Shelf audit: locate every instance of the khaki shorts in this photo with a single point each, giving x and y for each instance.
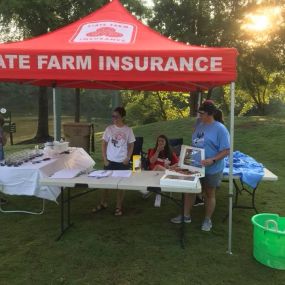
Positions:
(212, 180)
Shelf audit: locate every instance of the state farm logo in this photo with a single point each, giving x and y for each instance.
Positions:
(105, 32)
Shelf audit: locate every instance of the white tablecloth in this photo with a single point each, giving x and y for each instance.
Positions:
(24, 180)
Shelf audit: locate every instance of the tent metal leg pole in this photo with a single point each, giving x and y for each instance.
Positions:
(182, 233)
(56, 114)
(232, 112)
(199, 99)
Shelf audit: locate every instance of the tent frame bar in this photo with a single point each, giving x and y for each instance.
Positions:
(232, 113)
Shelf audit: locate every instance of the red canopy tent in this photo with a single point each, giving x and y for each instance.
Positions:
(111, 49)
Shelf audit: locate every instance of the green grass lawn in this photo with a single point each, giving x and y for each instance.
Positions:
(142, 247)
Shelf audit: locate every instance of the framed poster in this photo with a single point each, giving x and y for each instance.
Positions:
(190, 158)
(177, 180)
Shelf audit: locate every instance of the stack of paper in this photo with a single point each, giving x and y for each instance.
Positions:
(121, 173)
(100, 173)
(112, 173)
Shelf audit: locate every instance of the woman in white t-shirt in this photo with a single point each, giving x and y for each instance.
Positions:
(117, 148)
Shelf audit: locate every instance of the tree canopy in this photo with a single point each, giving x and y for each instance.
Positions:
(255, 28)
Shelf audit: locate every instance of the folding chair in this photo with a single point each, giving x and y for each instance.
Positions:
(138, 144)
(138, 150)
(176, 144)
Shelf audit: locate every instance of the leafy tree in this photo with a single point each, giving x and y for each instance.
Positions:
(261, 77)
(148, 107)
(198, 22)
(219, 23)
(11, 97)
(261, 61)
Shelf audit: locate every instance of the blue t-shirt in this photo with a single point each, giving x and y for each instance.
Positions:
(214, 138)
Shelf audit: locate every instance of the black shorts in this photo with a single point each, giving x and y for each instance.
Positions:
(116, 166)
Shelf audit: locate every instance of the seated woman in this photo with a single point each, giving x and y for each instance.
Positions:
(161, 157)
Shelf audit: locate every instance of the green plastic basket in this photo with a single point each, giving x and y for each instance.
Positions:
(269, 240)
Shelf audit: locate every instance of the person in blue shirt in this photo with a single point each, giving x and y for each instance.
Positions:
(214, 138)
(218, 116)
(2, 138)
(2, 143)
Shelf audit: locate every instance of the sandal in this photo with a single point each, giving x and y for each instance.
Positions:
(99, 208)
(118, 212)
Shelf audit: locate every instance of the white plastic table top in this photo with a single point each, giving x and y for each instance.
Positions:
(141, 180)
(90, 182)
(268, 176)
(138, 181)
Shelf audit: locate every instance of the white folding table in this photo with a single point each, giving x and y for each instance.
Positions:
(268, 176)
(142, 181)
(24, 179)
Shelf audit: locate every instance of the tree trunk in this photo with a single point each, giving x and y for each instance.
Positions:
(225, 107)
(261, 109)
(77, 106)
(43, 130)
(209, 94)
(193, 103)
(161, 106)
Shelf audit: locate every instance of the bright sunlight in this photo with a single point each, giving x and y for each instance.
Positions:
(261, 24)
(257, 23)
(263, 20)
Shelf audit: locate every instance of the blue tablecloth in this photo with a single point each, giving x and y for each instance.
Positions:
(249, 170)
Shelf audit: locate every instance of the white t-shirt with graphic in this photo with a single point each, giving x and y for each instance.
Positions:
(117, 142)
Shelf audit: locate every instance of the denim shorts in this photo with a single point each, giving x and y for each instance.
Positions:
(116, 166)
(212, 180)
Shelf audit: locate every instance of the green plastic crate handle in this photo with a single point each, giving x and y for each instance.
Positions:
(272, 222)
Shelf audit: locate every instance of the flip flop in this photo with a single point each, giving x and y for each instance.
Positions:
(99, 208)
(118, 212)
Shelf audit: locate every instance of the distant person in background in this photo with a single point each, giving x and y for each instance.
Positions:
(3, 141)
(162, 157)
(214, 138)
(117, 148)
(2, 138)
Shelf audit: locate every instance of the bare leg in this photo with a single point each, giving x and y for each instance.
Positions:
(188, 203)
(103, 202)
(120, 198)
(210, 201)
(104, 197)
